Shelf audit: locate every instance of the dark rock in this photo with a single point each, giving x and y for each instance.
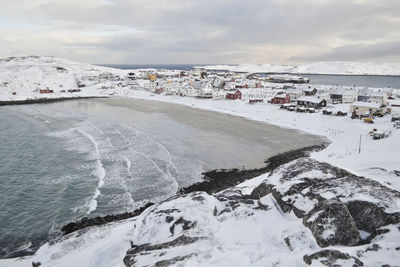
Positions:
(87, 222)
(262, 190)
(218, 180)
(330, 258)
(283, 158)
(374, 247)
(331, 224)
(370, 216)
(129, 259)
(169, 219)
(261, 206)
(186, 225)
(36, 264)
(172, 261)
(44, 100)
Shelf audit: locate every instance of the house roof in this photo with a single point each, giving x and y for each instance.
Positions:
(349, 93)
(200, 85)
(310, 99)
(378, 94)
(366, 104)
(293, 91)
(364, 92)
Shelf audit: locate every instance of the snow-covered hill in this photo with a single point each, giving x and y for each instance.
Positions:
(24, 77)
(334, 67)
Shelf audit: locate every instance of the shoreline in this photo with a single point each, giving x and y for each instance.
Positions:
(212, 182)
(45, 100)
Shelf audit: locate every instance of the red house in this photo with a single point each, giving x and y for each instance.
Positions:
(236, 95)
(159, 90)
(46, 91)
(281, 99)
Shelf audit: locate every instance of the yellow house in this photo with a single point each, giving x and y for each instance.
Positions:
(151, 77)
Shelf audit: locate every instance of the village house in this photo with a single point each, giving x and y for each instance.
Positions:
(336, 96)
(106, 76)
(234, 96)
(130, 78)
(360, 108)
(151, 77)
(189, 90)
(364, 94)
(159, 90)
(311, 102)
(46, 91)
(241, 85)
(294, 94)
(218, 94)
(349, 96)
(322, 95)
(204, 88)
(309, 91)
(378, 97)
(281, 99)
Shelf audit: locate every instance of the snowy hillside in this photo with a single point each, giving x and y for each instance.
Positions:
(339, 67)
(24, 77)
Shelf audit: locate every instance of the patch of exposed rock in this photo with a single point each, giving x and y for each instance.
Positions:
(332, 258)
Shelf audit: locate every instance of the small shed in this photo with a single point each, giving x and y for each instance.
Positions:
(159, 90)
(46, 91)
(234, 96)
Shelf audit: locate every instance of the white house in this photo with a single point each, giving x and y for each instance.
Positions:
(378, 97)
(349, 96)
(218, 94)
(294, 94)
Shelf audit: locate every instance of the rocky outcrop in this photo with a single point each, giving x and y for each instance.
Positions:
(301, 207)
(332, 202)
(332, 224)
(332, 258)
(87, 222)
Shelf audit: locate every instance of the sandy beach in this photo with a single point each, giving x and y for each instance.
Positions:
(232, 141)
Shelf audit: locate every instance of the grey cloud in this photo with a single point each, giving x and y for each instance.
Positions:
(359, 52)
(224, 30)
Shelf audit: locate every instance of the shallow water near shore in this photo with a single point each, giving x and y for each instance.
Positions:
(62, 161)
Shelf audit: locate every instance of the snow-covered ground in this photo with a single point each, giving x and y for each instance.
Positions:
(107, 245)
(335, 67)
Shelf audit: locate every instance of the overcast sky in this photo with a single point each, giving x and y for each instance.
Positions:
(202, 31)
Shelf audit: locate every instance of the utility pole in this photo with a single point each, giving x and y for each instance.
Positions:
(359, 146)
